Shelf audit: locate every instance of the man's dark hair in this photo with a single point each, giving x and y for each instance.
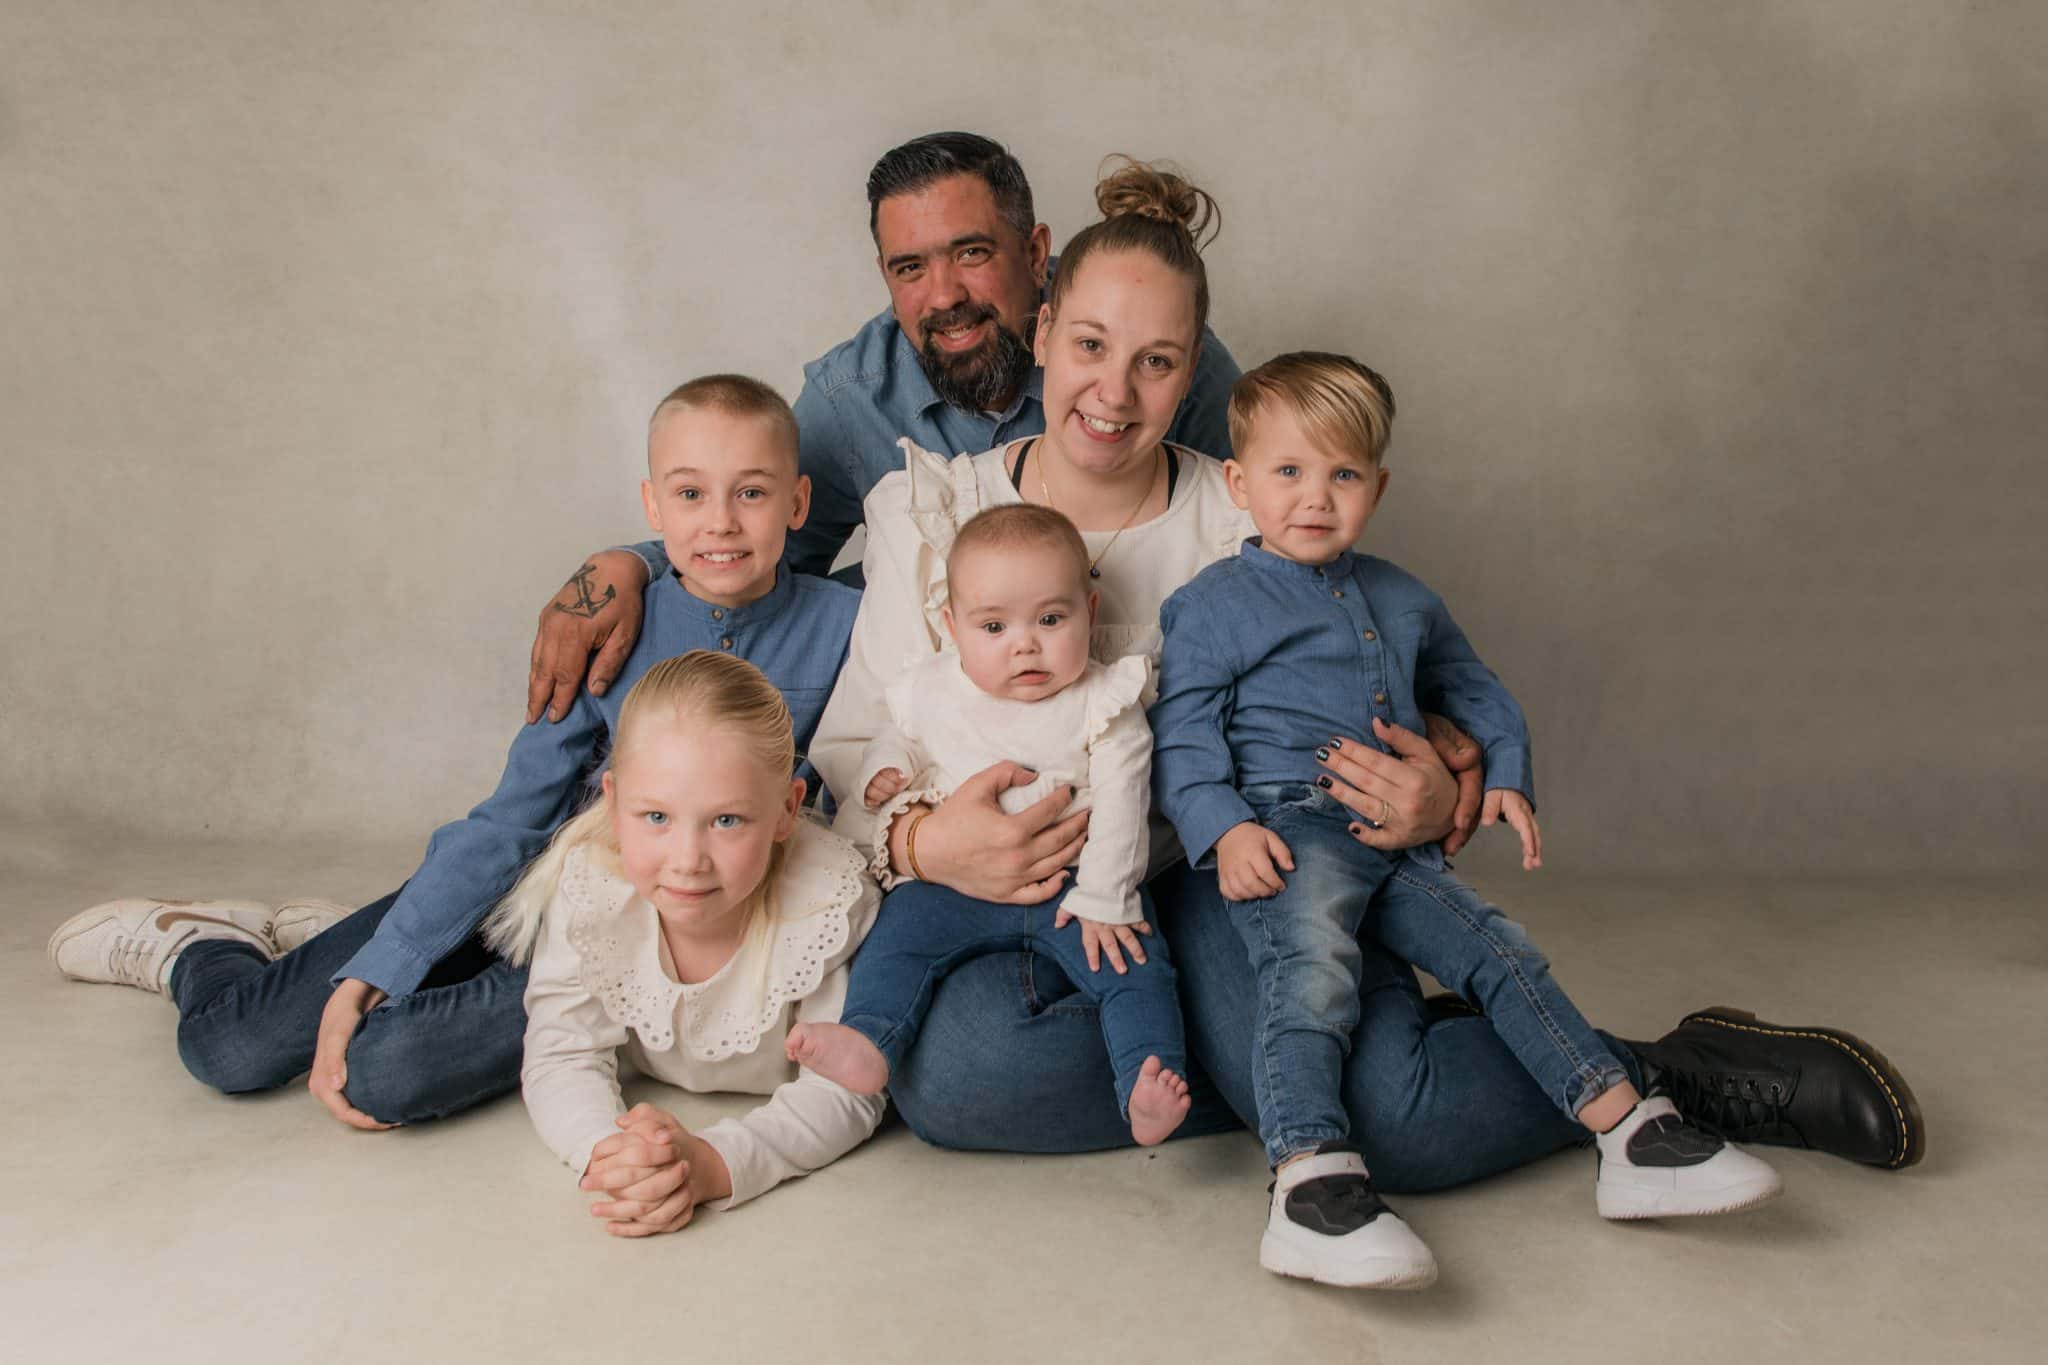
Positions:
(925, 160)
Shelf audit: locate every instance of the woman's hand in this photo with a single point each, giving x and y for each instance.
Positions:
(645, 1169)
(350, 1001)
(1404, 798)
(971, 846)
(599, 610)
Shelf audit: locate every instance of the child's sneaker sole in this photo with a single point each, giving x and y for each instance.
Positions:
(1386, 1272)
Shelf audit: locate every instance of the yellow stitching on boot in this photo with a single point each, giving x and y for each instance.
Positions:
(1898, 1112)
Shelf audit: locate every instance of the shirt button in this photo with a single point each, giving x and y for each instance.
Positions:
(1370, 636)
(726, 642)
(1336, 592)
(1380, 697)
(718, 613)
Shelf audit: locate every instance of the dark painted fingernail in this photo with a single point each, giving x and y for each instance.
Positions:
(1322, 753)
(1323, 782)
(1336, 744)
(1355, 829)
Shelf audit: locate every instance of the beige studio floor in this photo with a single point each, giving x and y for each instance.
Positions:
(147, 1218)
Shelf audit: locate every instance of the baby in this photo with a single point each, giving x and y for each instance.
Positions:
(1269, 659)
(1021, 687)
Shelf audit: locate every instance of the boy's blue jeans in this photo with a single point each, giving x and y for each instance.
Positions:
(245, 1024)
(924, 931)
(1304, 946)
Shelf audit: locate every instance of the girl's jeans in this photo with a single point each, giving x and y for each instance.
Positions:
(244, 1024)
(1011, 1059)
(926, 931)
(1305, 951)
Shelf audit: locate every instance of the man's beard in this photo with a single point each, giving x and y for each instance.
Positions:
(986, 378)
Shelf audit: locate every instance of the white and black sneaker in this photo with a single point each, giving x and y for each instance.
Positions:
(1653, 1164)
(1327, 1224)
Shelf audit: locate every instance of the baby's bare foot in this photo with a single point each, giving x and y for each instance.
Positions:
(841, 1054)
(1159, 1101)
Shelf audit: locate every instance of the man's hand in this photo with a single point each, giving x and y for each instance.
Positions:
(1249, 861)
(1099, 940)
(883, 785)
(971, 846)
(351, 1000)
(1513, 807)
(599, 610)
(1404, 798)
(1462, 757)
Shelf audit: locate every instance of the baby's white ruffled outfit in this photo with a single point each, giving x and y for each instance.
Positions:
(1092, 734)
(598, 987)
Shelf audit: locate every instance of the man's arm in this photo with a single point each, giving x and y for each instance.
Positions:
(1203, 422)
(825, 454)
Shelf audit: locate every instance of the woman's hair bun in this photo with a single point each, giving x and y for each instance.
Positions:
(1129, 186)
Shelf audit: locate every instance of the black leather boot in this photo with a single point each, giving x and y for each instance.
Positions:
(1740, 1078)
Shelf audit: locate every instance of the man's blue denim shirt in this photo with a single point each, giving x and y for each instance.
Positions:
(1265, 660)
(797, 635)
(864, 393)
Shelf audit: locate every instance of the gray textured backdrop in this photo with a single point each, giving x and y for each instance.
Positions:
(1719, 334)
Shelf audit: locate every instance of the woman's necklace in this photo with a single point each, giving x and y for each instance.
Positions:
(1143, 498)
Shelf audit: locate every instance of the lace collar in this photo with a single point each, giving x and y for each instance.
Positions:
(807, 923)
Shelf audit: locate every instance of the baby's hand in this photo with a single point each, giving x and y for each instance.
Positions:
(1249, 860)
(1099, 940)
(1513, 807)
(882, 786)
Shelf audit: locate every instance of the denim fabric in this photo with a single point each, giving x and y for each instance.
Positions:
(244, 1024)
(864, 393)
(1265, 659)
(796, 634)
(924, 931)
(1303, 945)
(1010, 1059)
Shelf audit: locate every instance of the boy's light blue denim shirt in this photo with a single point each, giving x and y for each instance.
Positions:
(1266, 659)
(864, 393)
(796, 634)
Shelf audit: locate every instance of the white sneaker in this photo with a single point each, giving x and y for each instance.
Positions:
(296, 921)
(133, 942)
(1328, 1225)
(1653, 1164)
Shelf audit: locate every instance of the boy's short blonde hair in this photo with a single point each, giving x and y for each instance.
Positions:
(1015, 524)
(737, 395)
(1341, 404)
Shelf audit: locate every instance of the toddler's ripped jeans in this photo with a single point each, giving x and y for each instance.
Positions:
(1303, 945)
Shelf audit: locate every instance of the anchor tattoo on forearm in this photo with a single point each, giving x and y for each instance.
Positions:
(585, 605)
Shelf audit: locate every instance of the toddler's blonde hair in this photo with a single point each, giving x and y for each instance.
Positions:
(1342, 404)
(703, 687)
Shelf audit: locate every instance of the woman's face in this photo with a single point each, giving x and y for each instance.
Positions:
(1118, 358)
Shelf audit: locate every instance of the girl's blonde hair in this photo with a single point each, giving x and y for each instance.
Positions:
(703, 686)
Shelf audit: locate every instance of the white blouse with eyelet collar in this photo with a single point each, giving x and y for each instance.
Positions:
(598, 988)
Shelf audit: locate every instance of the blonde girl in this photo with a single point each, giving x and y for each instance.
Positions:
(687, 919)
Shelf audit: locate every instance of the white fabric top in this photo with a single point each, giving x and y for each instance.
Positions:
(912, 516)
(940, 730)
(598, 985)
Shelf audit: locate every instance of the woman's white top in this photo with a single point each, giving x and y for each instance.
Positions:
(598, 987)
(940, 729)
(912, 516)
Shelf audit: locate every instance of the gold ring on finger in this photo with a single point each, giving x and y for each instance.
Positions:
(1386, 810)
